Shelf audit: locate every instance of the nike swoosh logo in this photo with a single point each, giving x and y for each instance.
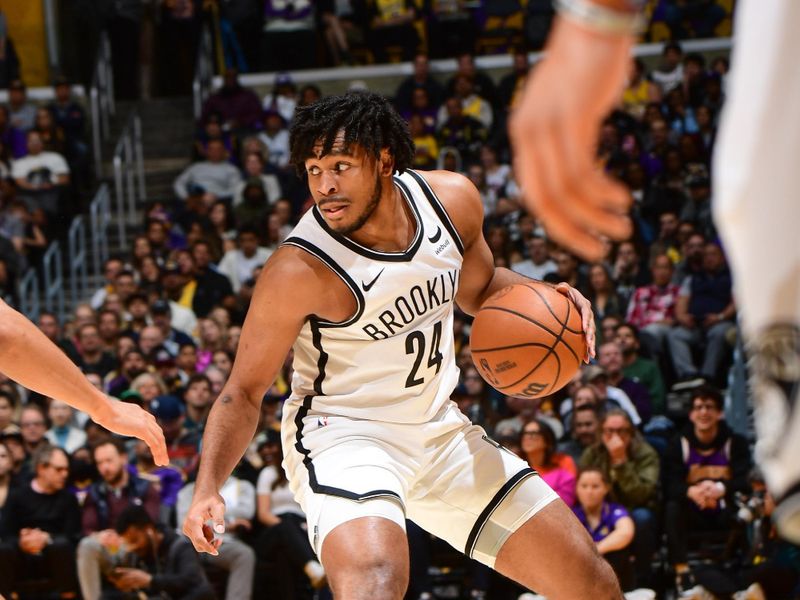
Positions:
(436, 236)
(368, 286)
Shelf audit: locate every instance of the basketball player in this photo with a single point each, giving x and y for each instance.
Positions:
(28, 357)
(756, 207)
(364, 288)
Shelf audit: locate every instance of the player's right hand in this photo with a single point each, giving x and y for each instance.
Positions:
(205, 509)
(554, 131)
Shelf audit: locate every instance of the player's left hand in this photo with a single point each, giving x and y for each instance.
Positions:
(131, 420)
(587, 316)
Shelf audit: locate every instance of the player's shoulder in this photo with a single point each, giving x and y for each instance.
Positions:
(460, 198)
(293, 265)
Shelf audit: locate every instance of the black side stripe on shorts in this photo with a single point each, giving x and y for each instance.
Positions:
(438, 208)
(490, 508)
(316, 487)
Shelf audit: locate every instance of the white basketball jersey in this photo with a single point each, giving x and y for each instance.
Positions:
(393, 360)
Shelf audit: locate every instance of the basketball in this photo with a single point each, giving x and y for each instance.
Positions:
(527, 340)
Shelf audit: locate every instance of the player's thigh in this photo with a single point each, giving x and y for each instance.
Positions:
(553, 554)
(476, 494)
(341, 471)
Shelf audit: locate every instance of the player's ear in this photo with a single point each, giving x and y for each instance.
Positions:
(386, 163)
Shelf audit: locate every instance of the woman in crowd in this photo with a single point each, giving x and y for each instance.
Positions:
(633, 467)
(538, 445)
(602, 293)
(149, 386)
(8, 407)
(608, 523)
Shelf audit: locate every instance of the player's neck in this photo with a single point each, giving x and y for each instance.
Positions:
(391, 226)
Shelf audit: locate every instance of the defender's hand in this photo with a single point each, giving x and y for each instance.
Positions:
(587, 316)
(131, 420)
(554, 132)
(204, 508)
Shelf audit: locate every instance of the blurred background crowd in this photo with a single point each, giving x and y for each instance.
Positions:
(638, 443)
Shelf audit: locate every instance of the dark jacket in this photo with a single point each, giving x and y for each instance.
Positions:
(176, 569)
(734, 446)
(57, 514)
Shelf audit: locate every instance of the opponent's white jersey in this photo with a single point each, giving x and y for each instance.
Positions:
(393, 360)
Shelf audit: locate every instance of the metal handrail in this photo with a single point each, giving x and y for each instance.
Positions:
(128, 165)
(78, 264)
(53, 280)
(203, 81)
(101, 100)
(99, 221)
(29, 304)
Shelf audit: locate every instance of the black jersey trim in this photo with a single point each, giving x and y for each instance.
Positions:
(333, 266)
(302, 412)
(403, 256)
(501, 494)
(438, 207)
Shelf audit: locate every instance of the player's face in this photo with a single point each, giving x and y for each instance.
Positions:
(345, 185)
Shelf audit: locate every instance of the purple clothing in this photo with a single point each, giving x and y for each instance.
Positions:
(610, 513)
(237, 104)
(170, 483)
(640, 397)
(14, 141)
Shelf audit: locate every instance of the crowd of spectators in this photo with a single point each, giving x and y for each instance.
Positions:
(44, 169)
(637, 443)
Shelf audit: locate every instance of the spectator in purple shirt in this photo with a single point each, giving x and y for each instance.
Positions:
(609, 524)
(609, 356)
(239, 106)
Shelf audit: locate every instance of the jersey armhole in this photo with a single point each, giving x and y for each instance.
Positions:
(438, 208)
(326, 260)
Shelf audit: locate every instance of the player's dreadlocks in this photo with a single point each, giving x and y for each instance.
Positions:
(367, 118)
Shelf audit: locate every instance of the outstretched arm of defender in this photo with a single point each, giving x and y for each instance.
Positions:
(29, 358)
(284, 297)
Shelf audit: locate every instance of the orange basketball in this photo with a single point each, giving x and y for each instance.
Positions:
(527, 340)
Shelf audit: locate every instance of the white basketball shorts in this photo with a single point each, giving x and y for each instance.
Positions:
(446, 475)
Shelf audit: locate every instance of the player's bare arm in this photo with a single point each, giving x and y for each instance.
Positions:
(554, 130)
(479, 277)
(293, 286)
(28, 357)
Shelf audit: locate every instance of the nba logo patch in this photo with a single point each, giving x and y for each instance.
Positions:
(322, 421)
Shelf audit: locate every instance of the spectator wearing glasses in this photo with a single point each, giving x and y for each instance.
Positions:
(631, 467)
(33, 426)
(40, 527)
(538, 445)
(704, 466)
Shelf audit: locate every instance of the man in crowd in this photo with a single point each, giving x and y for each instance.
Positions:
(652, 307)
(209, 180)
(538, 264)
(609, 356)
(585, 431)
(33, 426)
(166, 562)
(62, 433)
(238, 264)
(40, 527)
(198, 400)
(212, 288)
(92, 356)
(40, 175)
(640, 369)
(704, 467)
(106, 500)
(705, 311)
